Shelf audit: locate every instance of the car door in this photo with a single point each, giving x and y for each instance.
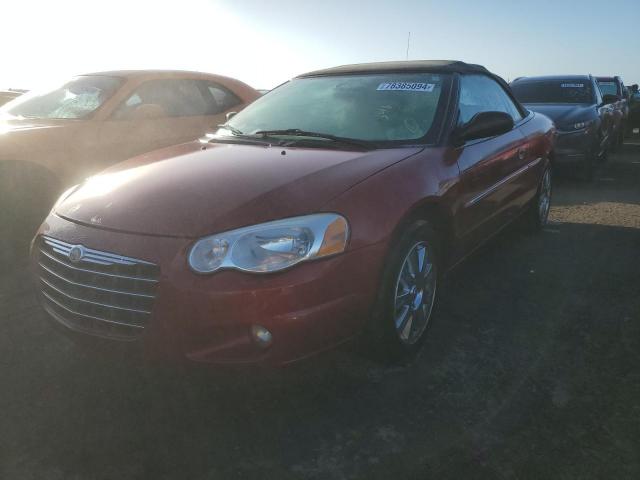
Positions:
(157, 114)
(492, 169)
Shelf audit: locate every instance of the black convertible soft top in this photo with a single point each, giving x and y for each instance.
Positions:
(413, 66)
(436, 66)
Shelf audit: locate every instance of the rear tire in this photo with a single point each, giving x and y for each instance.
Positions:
(406, 297)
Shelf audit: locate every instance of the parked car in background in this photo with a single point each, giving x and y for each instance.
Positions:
(634, 109)
(56, 138)
(615, 93)
(329, 207)
(8, 95)
(575, 104)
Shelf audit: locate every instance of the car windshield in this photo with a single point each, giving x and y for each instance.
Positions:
(378, 108)
(608, 88)
(75, 99)
(553, 91)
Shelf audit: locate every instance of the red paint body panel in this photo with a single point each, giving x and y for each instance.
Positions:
(206, 319)
(189, 192)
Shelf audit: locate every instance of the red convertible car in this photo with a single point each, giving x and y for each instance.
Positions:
(330, 207)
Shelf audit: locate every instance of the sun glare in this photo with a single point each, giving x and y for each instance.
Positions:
(81, 38)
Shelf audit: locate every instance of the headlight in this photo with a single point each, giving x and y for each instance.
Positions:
(272, 246)
(580, 125)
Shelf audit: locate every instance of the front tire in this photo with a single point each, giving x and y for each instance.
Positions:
(623, 129)
(407, 295)
(26, 195)
(613, 145)
(589, 165)
(537, 216)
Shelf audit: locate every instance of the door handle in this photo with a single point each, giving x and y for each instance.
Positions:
(522, 153)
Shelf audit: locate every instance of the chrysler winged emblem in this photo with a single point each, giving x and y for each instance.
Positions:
(76, 253)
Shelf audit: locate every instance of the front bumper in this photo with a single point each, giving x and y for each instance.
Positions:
(207, 318)
(575, 147)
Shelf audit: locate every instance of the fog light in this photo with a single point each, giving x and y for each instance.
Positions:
(261, 335)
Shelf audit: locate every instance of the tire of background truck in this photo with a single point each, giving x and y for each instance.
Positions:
(613, 146)
(621, 136)
(27, 194)
(537, 214)
(588, 166)
(406, 297)
(604, 158)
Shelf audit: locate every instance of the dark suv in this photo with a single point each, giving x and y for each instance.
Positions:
(616, 94)
(634, 109)
(583, 120)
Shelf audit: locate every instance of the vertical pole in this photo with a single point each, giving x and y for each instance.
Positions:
(408, 42)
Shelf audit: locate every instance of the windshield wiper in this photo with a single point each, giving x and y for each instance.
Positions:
(233, 130)
(296, 132)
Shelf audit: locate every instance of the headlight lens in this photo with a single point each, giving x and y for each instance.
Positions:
(580, 125)
(272, 246)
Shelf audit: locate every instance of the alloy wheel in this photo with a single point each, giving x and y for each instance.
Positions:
(415, 293)
(544, 200)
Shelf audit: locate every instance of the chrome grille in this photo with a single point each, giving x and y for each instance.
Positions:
(98, 292)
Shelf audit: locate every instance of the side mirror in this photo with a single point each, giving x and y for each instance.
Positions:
(485, 125)
(230, 115)
(609, 99)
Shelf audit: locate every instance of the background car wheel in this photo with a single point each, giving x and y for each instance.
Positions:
(621, 135)
(407, 296)
(613, 146)
(537, 215)
(26, 196)
(589, 165)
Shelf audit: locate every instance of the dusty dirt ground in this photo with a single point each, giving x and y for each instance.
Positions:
(531, 370)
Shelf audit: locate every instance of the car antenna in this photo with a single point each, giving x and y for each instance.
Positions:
(408, 43)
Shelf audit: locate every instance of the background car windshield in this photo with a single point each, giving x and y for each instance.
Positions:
(556, 91)
(389, 107)
(76, 99)
(608, 88)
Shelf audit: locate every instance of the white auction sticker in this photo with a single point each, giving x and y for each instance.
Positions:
(407, 86)
(572, 85)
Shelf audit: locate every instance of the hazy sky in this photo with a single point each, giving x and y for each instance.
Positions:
(266, 42)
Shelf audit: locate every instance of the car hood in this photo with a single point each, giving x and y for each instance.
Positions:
(191, 190)
(20, 139)
(564, 114)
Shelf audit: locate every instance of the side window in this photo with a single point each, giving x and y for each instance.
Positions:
(166, 98)
(222, 99)
(479, 93)
(598, 92)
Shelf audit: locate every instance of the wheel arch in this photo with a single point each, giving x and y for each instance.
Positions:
(430, 210)
(27, 183)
